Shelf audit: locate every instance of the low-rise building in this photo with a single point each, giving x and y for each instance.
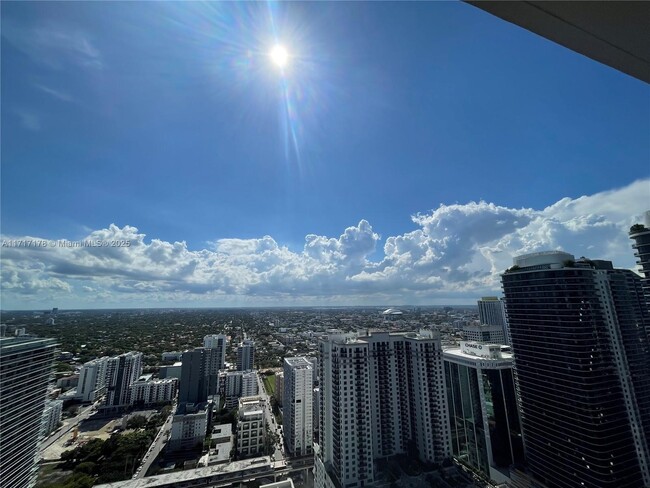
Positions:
(51, 416)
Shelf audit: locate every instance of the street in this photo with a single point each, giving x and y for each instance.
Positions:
(278, 455)
(156, 446)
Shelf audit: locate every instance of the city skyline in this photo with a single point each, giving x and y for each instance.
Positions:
(401, 154)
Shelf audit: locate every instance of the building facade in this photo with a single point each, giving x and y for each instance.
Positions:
(237, 384)
(582, 366)
(251, 426)
(153, 391)
(92, 380)
(217, 344)
(25, 369)
(492, 334)
(52, 415)
(640, 234)
(246, 355)
(484, 416)
(121, 372)
(297, 414)
(194, 382)
(381, 395)
(189, 427)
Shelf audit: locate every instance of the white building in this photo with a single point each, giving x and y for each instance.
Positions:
(217, 344)
(251, 426)
(380, 394)
(153, 391)
(484, 333)
(246, 355)
(121, 372)
(51, 416)
(297, 414)
(189, 427)
(237, 384)
(92, 380)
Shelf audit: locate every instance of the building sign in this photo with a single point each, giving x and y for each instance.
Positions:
(491, 351)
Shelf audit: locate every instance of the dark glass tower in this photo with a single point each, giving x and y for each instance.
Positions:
(483, 413)
(25, 369)
(582, 366)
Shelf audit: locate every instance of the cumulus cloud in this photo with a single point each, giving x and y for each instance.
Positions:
(455, 252)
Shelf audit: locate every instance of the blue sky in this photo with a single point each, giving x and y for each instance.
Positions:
(168, 124)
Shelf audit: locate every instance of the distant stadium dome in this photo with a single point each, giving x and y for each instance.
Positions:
(392, 311)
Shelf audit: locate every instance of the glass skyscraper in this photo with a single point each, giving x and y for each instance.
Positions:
(485, 426)
(25, 369)
(582, 365)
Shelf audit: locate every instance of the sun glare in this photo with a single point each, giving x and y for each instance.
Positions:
(279, 56)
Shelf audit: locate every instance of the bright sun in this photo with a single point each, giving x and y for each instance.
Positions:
(279, 56)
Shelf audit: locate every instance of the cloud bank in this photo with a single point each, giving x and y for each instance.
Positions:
(454, 254)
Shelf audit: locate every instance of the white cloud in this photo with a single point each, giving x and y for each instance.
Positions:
(454, 253)
(58, 94)
(53, 44)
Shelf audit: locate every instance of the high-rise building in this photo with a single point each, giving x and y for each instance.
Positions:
(246, 355)
(237, 384)
(194, 382)
(582, 368)
(25, 369)
(381, 395)
(121, 372)
(640, 234)
(485, 427)
(491, 311)
(297, 423)
(217, 344)
(92, 380)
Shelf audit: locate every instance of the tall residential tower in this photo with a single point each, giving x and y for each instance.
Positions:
(382, 394)
(297, 421)
(582, 363)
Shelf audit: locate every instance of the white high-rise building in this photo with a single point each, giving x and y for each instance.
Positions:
(237, 384)
(121, 372)
(491, 311)
(217, 344)
(92, 380)
(279, 387)
(381, 395)
(246, 355)
(297, 415)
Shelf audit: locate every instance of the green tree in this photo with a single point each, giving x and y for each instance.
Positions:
(136, 422)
